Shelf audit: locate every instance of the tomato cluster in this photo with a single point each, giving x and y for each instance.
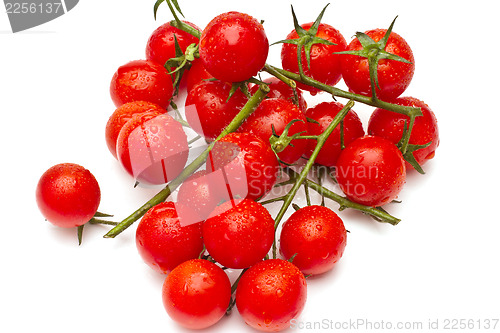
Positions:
(256, 132)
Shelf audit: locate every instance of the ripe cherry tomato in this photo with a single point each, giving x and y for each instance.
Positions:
(141, 80)
(202, 192)
(325, 64)
(278, 113)
(197, 73)
(324, 113)
(161, 44)
(317, 236)
(120, 117)
(393, 76)
(152, 147)
(208, 110)
(239, 233)
(270, 294)
(279, 89)
(390, 125)
(167, 235)
(68, 195)
(196, 294)
(233, 47)
(248, 164)
(371, 171)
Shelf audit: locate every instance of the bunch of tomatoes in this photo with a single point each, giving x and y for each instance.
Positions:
(257, 135)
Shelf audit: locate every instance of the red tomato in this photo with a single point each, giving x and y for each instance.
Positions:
(167, 235)
(161, 44)
(197, 73)
(324, 113)
(196, 294)
(68, 195)
(325, 64)
(239, 233)
(393, 76)
(123, 114)
(202, 192)
(390, 125)
(234, 47)
(247, 162)
(152, 147)
(208, 110)
(371, 171)
(278, 113)
(317, 236)
(270, 294)
(279, 89)
(141, 80)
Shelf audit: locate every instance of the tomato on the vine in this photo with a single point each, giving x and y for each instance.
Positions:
(209, 109)
(68, 195)
(320, 116)
(239, 233)
(196, 294)
(371, 171)
(393, 76)
(324, 63)
(315, 237)
(167, 235)
(390, 125)
(141, 80)
(152, 147)
(247, 162)
(278, 113)
(120, 117)
(161, 44)
(270, 294)
(233, 47)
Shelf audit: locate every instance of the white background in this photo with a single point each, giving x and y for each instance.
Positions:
(440, 262)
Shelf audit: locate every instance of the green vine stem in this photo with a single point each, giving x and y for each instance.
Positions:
(376, 212)
(287, 200)
(161, 196)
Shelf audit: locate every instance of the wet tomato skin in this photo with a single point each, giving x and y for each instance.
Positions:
(270, 294)
(167, 235)
(141, 80)
(196, 294)
(68, 195)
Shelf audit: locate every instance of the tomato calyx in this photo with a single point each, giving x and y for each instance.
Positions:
(307, 38)
(96, 219)
(374, 52)
(410, 148)
(280, 142)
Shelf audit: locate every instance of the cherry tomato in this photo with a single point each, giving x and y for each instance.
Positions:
(323, 114)
(279, 89)
(278, 113)
(247, 162)
(161, 44)
(197, 73)
(167, 235)
(202, 192)
(208, 110)
(393, 76)
(270, 294)
(141, 80)
(371, 171)
(325, 64)
(317, 238)
(233, 47)
(152, 147)
(196, 294)
(68, 195)
(120, 117)
(390, 125)
(239, 233)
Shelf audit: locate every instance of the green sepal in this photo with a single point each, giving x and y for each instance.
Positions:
(79, 232)
(410, 148)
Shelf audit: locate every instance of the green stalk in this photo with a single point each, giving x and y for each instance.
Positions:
(161, 196)
(303, 174)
